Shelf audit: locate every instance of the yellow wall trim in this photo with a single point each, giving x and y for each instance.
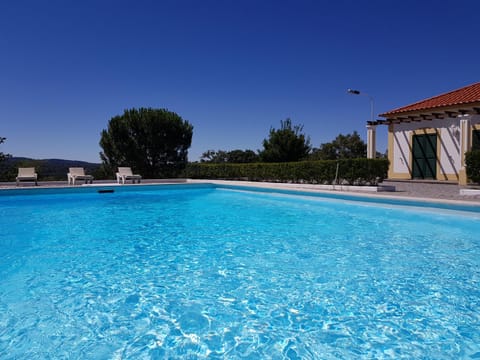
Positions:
(450, 177)
(390, 154)
(399, 176)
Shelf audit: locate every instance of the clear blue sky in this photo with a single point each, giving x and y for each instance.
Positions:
(231, 68)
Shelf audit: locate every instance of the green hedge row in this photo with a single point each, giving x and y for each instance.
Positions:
(350, 171)
(472, 162)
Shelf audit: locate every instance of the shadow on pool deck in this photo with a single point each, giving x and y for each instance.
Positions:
(431, 190)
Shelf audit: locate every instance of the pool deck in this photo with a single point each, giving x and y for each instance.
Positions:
(418, 191)
(445, 192)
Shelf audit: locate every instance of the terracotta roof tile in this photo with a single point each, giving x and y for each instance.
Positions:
(466, 95)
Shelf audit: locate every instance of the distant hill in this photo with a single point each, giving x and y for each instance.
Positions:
(47, 169)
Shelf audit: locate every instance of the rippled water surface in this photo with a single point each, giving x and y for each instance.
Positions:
(215, 273)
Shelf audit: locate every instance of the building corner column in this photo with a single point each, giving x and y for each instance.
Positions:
(465, 145)
(390, 152)
(371, 141)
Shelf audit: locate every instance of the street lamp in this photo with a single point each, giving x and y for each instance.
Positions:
(371, 125)
(357, 92)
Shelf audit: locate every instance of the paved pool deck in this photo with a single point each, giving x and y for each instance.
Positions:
(434, 190)
(428, 191)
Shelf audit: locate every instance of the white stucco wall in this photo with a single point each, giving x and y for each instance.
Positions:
(449, 144)
(475, 119)
(450, 156)
(401, 150)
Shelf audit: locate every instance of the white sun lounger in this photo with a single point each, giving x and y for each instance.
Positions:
(26, 174)
(78, 173)
(125, 173)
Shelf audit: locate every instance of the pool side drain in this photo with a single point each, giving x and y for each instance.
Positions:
(105, 191)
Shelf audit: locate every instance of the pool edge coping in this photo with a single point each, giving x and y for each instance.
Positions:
(342, 190)
(338, 190)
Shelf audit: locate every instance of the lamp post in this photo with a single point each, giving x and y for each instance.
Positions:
(371, 126)
(372, 102)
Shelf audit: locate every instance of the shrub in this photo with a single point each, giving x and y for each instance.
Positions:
(351, 171)
(472, 162)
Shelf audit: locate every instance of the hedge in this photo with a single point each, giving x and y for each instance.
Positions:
(350, 171)
(472, 162)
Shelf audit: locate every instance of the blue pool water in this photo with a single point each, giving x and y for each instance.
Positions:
(206, 272)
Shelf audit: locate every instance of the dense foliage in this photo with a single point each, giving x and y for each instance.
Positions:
(154, 142)
(285, 144)
(472, 162)
(234, 156)
(349, 146)
(2, 155)
(350, 171)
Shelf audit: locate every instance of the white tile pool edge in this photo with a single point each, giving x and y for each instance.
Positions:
(372, 192)
(359, 191)
(470, 192)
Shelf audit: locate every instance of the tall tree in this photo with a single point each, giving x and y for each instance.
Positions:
(154, 142)
(7, 172)
(212, 156)
(343, 147)
(234, 156)
(242, 156)
(2, 155)
(285, 144)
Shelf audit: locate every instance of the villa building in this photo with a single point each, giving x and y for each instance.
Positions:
(428, 139)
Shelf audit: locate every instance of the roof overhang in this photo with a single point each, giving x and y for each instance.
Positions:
(428, 114)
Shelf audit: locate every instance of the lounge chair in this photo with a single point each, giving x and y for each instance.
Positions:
(26, 174)
(125, 173)
(78, 173)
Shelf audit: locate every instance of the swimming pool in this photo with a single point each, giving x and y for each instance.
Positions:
(211, 272)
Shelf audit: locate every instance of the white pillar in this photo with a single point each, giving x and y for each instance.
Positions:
(465, 145)
(371, 141)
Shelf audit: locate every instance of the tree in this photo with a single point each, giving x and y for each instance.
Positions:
(348, 146)
(154, 142)
(242, 156)
(2, 155)
(285, 144)
(212, 156)
(6, 170)
(234, 156)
